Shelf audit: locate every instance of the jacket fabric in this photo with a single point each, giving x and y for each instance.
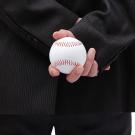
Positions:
(26, 37)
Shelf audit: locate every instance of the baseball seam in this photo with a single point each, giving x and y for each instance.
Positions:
(66, 62)
(68, 44)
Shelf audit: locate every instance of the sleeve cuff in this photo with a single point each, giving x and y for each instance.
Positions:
(91, 38)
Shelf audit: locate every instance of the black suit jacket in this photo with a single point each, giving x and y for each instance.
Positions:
(26, 37)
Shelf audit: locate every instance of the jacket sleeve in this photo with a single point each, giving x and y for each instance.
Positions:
(36, 20)
(109, 30)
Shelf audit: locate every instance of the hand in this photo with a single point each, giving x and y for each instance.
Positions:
(90, 69)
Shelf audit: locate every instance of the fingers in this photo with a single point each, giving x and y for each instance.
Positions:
(89, 61)
(62, 33)
(90, 68)
(53, 71)
(75, 74)
(94, 70)
(107, 68)
(78, 20)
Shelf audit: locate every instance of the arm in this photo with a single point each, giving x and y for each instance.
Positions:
(35, 21)
(109, 30)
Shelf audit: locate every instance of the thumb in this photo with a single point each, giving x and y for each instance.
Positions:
(62, 33)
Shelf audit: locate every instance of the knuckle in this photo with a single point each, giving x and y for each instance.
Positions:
(93, 73)
(90, 60)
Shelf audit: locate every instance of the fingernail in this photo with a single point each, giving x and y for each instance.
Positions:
(71, 81)
(54, 32)
(96, 73)
(90, 53)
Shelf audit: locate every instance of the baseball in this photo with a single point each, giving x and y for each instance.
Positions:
(66, 53)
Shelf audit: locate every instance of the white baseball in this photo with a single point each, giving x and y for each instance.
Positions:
(66, 53)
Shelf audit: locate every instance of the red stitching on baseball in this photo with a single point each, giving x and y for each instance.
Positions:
(68, 44)
(65, 62)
